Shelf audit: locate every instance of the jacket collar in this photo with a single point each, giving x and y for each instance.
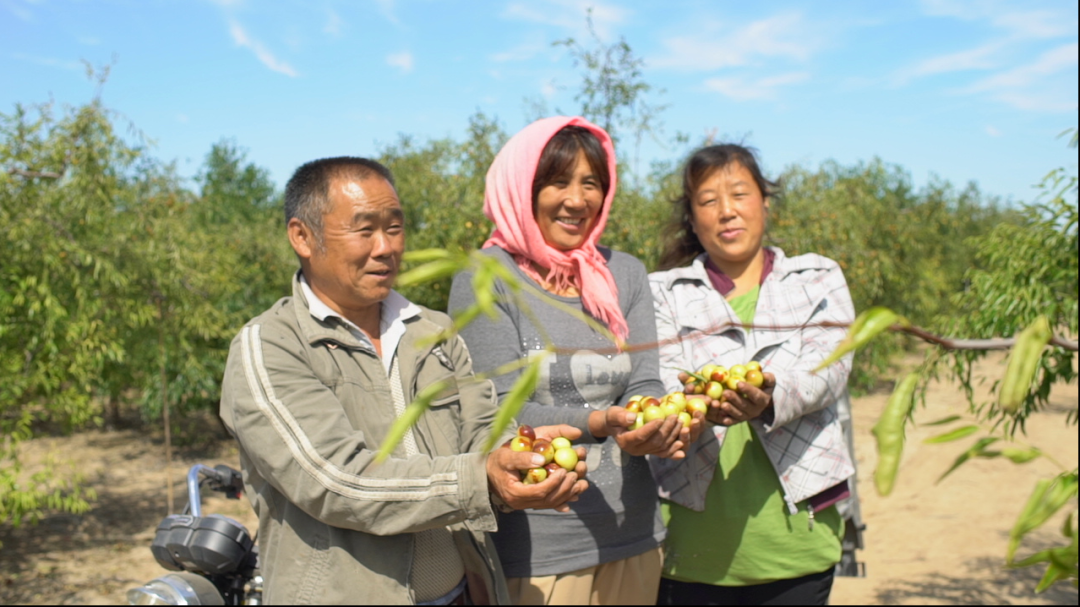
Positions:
(321, 323)
(782, 266)
(704, 308)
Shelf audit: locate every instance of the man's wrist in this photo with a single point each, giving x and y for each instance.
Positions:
(498, 504)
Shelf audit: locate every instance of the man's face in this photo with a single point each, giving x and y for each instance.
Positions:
(363, 240)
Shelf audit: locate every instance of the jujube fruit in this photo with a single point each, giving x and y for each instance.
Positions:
(544, 448)
(560, 442)
(535, 476)
(567, 458)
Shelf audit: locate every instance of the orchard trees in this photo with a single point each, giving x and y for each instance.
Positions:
(117, 281)
(59, 284)
(903, 248)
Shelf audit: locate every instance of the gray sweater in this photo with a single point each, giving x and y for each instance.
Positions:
(618, 515)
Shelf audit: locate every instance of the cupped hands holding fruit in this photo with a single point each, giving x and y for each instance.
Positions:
(539, 469)
(740, 393)
(637, 434)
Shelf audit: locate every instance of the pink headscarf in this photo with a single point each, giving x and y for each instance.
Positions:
(508, 204)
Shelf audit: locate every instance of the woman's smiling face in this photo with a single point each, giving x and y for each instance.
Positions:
(566, 209)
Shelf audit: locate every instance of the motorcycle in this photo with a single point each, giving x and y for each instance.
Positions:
(215, 558)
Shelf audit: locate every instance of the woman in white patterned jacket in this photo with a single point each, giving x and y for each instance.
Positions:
(751, 510)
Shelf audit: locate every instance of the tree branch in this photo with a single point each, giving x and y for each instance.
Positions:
(949, 343)
(32, 174)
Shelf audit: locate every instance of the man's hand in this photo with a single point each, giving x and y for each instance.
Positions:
(504, 468)
(746, 404)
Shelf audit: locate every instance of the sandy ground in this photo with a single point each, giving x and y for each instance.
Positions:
(926, 544)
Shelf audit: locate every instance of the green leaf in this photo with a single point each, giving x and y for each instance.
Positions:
(866, 327)
(429, 272)
(701, 378)
(408, 418)
(425, 255)
(1023, 363)
(945, 420)
(514, 400)
(1054, 573)
(1021, 456)
(1047, 498)
(889, 433)
(1042, 556)
(952, 435)
(483, 284)
(976, 450)
(1025, 522)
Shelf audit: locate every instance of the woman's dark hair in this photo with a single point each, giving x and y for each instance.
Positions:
(560, 154)
(681, 245)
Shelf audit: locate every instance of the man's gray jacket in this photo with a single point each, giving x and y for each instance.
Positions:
(310, 405)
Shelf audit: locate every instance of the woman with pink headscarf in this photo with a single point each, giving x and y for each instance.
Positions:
(549, 193)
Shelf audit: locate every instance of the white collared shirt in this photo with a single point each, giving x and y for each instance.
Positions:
(393, 312)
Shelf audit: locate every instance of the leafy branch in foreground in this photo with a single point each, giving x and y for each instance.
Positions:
(1024, 283)
(1015, 395)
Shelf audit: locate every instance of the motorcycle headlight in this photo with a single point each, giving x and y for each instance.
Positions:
(176, 589)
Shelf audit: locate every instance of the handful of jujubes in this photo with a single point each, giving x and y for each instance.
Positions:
(678, 404)
(558, 453)
(711, 380)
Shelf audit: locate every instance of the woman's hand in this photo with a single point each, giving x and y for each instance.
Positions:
(746, 404)
(662, 437)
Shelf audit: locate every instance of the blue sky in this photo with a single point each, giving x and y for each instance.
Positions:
(966, 90)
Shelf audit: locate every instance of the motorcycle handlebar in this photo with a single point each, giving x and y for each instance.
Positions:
(222, 478)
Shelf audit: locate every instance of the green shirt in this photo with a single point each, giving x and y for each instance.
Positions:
(746, 535)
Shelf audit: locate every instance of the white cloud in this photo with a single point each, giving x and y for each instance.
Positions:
(1034, 86)
(1035, 24)
(19, 11)
(992, 131)
(386, 7)
(1038, 24)
(402, 60)
(979, 58)
(1016, 28)
(568, 14)
(333, 23)
(182, 118)
(786, 35)
(49, 61)
(742, 89)
(242, 39)
(521, 52)
(89, 40)
(1050, 62)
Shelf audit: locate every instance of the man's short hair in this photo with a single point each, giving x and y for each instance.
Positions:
(307, 194)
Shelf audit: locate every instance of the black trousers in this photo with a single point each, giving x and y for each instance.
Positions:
(812, 589)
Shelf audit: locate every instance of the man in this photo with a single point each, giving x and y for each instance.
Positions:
(311, 388)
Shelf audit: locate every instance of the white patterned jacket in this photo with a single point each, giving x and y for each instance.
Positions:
(801, 432)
